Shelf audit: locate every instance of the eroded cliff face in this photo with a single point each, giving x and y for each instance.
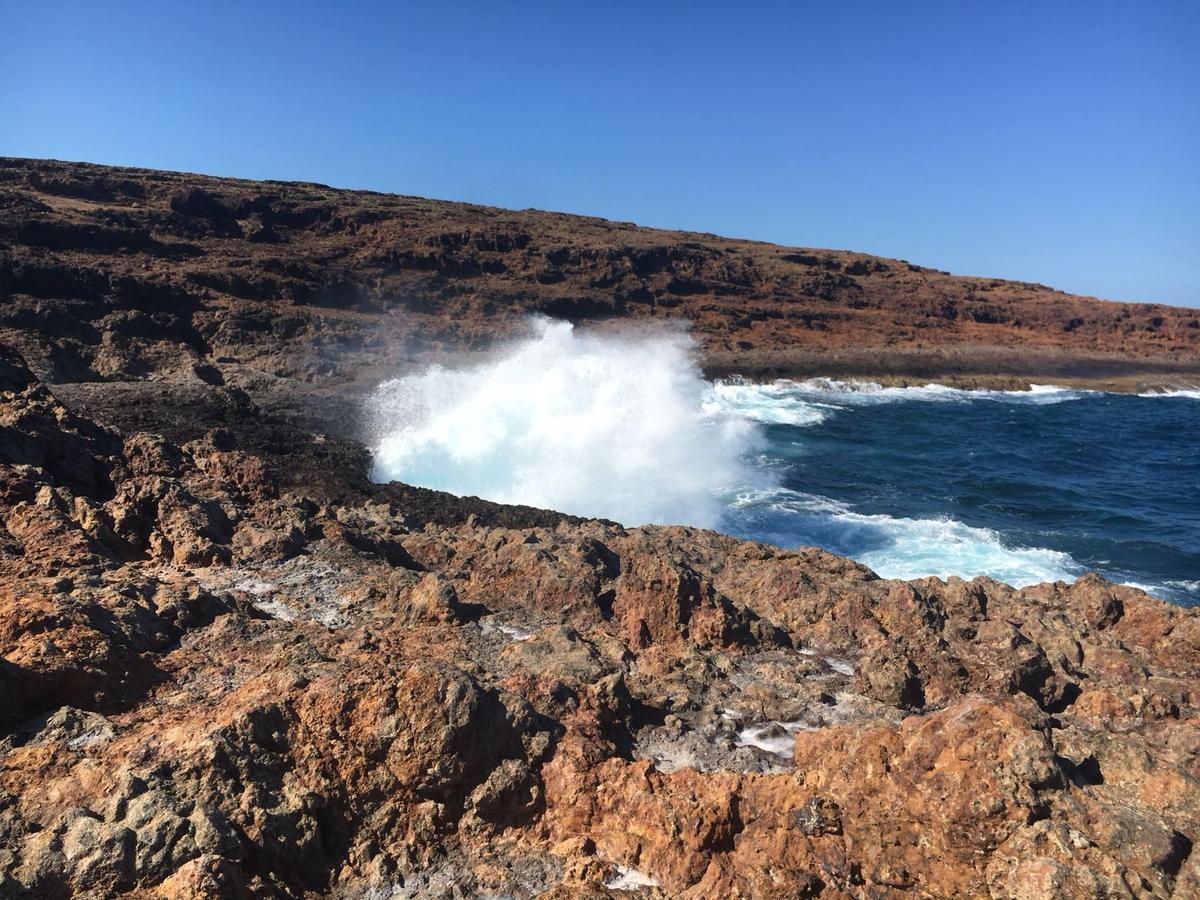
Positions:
(232, 666)
(110, 272)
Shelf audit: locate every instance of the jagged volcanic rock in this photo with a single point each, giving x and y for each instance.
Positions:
(233, 666)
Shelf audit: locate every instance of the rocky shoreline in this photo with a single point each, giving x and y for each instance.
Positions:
(234, 666)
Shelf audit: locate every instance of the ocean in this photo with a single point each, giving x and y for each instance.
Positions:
(1022, 486)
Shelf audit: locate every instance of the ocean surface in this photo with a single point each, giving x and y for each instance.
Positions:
(1022, 486)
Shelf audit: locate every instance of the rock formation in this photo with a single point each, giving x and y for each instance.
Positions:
(113, 272)
(233, 666)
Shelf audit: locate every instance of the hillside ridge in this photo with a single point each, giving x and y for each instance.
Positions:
(301, 281)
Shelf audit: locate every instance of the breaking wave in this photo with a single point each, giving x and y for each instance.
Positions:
(895, 547)
(1181, 394)
(770, 404)
(598, 425)
(625, 427)
(809, 402)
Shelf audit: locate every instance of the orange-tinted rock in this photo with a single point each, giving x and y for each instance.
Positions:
(232, 666)
(216, 281)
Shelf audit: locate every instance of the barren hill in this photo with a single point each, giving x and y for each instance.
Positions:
(111, 272)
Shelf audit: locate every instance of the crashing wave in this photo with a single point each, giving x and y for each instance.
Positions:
(771, 404)
(900, 547)
(625, 427)
(598, 425)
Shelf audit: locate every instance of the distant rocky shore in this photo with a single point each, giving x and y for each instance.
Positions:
(108, 273)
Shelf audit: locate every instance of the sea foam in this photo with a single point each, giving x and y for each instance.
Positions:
(1177, 394)
(897, 547)
(809, 402)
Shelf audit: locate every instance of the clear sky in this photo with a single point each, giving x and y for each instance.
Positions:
(1054, 142)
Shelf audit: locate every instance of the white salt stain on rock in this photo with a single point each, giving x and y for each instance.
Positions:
(276, 610)
(255, 586)
(77, 729)
(330, 618)
(96, 735)
(630, 879)
(837, 664)
(672, 759)
(842, 666)
(778, 738)
(295, 591)
(512, 632)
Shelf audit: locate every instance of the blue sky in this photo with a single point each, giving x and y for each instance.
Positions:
(1053, 142)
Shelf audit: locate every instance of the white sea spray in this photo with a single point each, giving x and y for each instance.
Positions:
(598, 425)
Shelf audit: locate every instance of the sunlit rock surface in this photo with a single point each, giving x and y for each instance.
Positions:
(234, 666)
(231, 665)
(109, 273)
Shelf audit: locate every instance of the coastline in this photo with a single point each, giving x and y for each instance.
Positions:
(113, 272)
(1129, 384)
(217, 627)
(984, 369)
(197, 585)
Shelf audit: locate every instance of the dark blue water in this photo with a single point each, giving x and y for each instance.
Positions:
(1021, 486)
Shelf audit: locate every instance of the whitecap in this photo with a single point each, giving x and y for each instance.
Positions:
(945, 547)
(1184, 584)
(869, 393)
(1179, 590)
(1180, 394)
(896, 547)
(775, 403)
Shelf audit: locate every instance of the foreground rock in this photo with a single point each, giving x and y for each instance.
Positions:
(234, 667)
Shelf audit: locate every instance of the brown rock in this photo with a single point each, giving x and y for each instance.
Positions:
(233, 666)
